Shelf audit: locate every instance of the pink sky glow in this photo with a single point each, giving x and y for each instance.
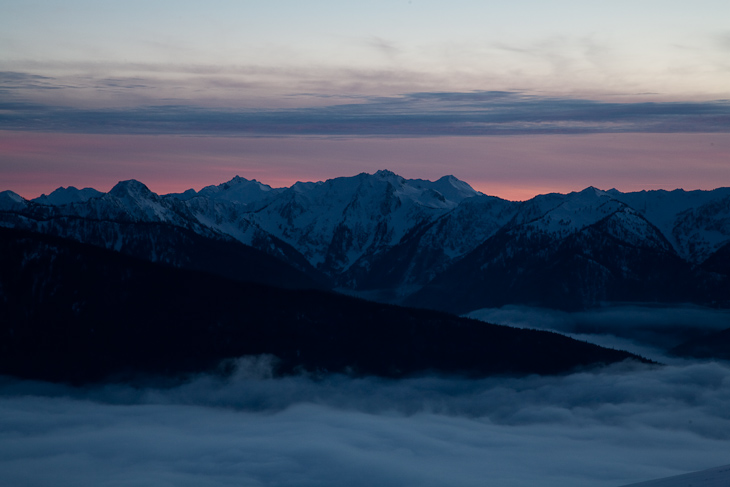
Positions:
(512, 167)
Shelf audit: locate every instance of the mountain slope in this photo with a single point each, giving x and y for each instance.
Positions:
(676, 213)
(74, 312)
(345, 222)
(64, 196)
(134, 221)
(572, 252)
(431, 248)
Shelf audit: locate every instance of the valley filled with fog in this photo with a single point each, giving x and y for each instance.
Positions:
(646, 329)
(612, 426)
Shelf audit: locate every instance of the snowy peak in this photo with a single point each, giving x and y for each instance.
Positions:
(65, 196)
(629, 226)
(303, 187)
(239, 190)
(560, 214)
(454, 188)
(185, 195)
(699, 232)
(445, 193)
(10, 201)
(132, 200)
(580, 210)
(340, 221)
(130, 189)
(592, 191)
(386, 174)
(690, 220)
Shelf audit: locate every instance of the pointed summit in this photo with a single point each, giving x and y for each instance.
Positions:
(10, 201)
(130, 188)
(239, 190)
(388, 175)
(454, 189)
(593, 191)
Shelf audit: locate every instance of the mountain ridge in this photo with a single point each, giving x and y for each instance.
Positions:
(396, 239)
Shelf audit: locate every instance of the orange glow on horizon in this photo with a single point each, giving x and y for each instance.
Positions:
(511, 167)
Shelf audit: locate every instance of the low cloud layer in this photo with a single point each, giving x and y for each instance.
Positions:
(418, 114)
(643, 329)
(624, 424)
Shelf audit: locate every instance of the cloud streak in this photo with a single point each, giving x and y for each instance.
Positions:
(411, 115)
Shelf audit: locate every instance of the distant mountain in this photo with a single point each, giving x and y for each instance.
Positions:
(64, 196)
(344, 223)
(10, 201)
(133, 220)
(77, 313)
(429, 249)
(437, 244)
(237, 190)
(573, 252)
(697, 223)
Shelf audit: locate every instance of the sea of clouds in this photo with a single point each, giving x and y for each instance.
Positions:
(644, 329)
(625, 423)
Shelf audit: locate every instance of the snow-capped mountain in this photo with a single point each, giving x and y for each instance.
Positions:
(64, 196)
(694, 222)
(429, 243)
(133, 220)
(10, 201)
(237, 190)
(93, 220)
(570, 251)
(344, 222)
(431, 248)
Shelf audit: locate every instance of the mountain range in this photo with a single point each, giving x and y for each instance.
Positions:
(96, 285)
(434, 244)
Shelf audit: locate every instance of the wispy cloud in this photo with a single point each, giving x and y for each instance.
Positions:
(409, 115)
(383, 46)
(12, 80)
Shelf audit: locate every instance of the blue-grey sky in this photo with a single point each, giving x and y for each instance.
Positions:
(248, 49)
(383, 69)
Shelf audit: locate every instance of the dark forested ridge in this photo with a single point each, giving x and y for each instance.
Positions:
(75, 312)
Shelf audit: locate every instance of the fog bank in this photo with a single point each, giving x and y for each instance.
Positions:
(644, 329)
(625, 424)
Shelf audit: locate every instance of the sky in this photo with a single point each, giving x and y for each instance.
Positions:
(516, 98)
